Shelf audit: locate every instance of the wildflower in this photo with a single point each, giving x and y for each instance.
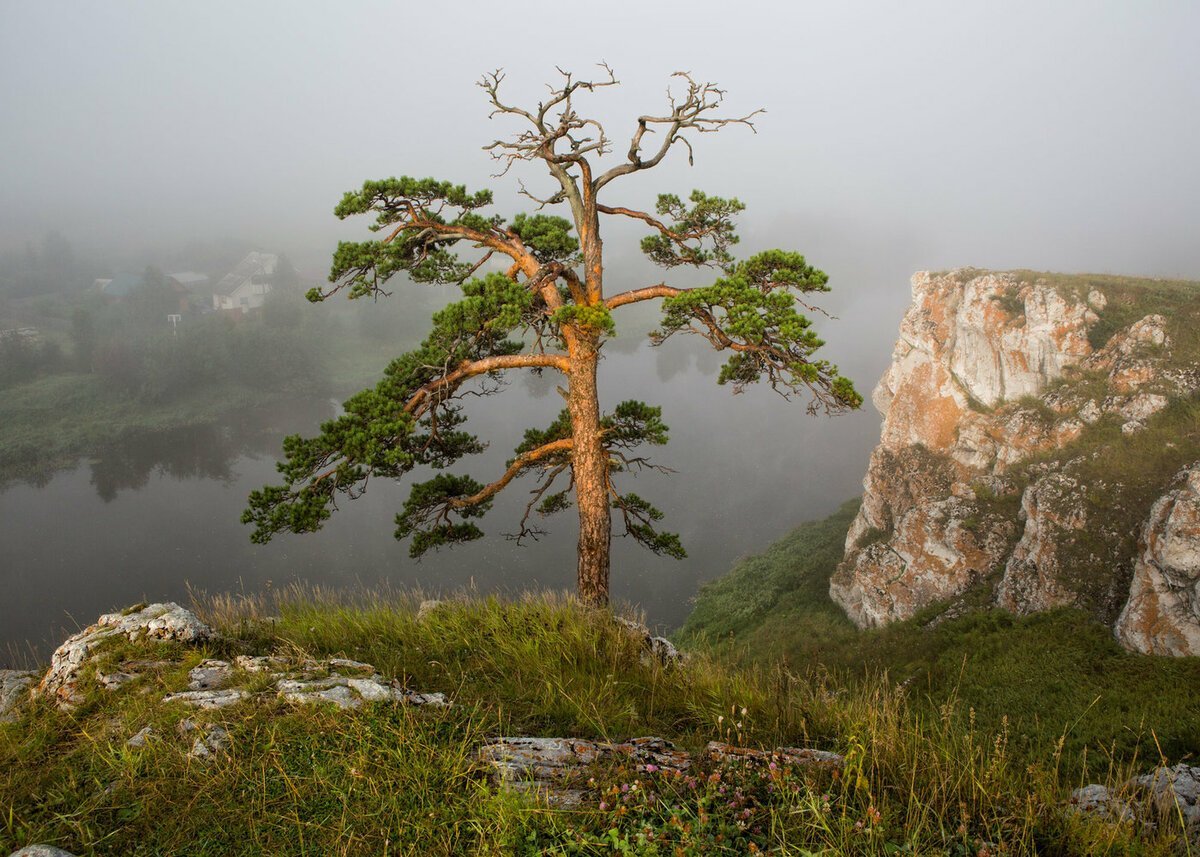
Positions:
(603, 806)
(651, 769)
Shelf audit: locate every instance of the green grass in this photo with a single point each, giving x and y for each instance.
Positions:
(1051, 677)
(396, 780)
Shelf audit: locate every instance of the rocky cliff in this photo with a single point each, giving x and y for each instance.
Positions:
(1040, 448)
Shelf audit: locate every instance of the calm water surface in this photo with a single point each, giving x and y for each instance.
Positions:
(143, 520)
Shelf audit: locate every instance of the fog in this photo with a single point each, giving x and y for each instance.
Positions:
(897, 137)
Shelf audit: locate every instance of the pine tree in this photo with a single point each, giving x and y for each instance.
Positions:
(547, 311)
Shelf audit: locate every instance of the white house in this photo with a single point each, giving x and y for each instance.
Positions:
(246, 287)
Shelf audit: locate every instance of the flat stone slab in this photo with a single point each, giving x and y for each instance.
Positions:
(349, 692)
(41, 851)
(208, 699)
(800, 757)
(210, 675)
(554, 767)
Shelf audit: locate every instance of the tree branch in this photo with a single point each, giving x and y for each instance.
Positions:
(701, 98)
(514, 470)
(420, 401)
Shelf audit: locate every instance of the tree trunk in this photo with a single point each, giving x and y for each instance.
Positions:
(590, 466)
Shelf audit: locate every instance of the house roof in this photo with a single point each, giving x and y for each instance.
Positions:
(253, 266)
(189, 278)
(122, 284)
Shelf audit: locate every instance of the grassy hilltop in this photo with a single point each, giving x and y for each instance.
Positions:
(391, 779)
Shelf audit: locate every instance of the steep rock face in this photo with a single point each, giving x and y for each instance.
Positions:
(977, 476)
(967, 343)
(1162, 615)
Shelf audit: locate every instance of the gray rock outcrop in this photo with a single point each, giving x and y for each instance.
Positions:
(152, 622)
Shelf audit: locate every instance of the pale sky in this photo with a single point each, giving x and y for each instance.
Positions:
(899, 136)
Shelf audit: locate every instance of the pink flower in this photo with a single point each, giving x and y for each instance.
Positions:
(651, 769)
(603, 806)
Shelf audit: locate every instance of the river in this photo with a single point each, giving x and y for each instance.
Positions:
(146, 519)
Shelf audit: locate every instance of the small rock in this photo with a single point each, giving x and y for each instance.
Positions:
(41, 851)
(1132, 427)
(210, 675)
(140, 737)
(207, 699)
(1096, 800)
(214, 741)
(657, 647)
(116, 680)
(1096, 300)
(428, 608)
(14, 689)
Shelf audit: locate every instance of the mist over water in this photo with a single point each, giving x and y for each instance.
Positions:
(923, 135)
(146, 519)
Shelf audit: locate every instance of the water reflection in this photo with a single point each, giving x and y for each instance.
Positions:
(200, 452)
